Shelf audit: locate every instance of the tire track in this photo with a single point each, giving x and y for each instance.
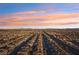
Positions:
(56, 46)
(27, 50)
(17, 48)
(65, 46)
(34, 48)
(48, 48)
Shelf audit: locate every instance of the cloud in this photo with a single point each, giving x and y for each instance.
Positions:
(39, 20)
(29, 12)
(50, 16)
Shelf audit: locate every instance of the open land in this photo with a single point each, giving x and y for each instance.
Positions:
(39, 42)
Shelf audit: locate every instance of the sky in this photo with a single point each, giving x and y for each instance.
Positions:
(39, 15)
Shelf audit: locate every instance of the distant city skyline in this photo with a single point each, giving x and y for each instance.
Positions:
(39, 15)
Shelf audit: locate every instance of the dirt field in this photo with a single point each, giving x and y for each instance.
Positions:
(39, 42)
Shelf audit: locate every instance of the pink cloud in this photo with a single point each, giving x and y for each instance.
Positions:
(39, 20)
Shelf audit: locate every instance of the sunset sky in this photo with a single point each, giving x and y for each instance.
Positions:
(32, 15)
